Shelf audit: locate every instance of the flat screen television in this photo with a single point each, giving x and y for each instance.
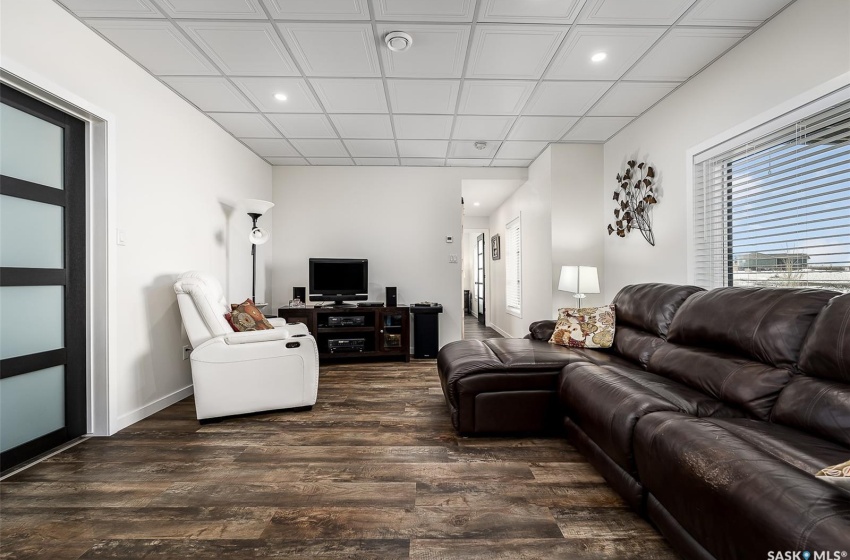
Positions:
(339, 280)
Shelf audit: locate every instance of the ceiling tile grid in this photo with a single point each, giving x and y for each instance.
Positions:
(307, 82)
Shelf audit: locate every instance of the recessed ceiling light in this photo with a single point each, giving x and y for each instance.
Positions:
(280, 96)
(599, 57)
(398, 41)
(476, 204)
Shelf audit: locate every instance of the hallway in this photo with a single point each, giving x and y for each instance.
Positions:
(473, 331)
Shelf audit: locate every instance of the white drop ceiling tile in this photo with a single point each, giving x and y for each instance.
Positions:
(565, 98)
(431, 127)
(261, 92)
(438, 51)
(735, 13)
(267, 147)
(419, 10)
(635, 12)
(423, 162)
(246, 125)
(466, 149)
(630, 99)
(422, 148)
(597, 129)
(213, 9)
(512, 162)
(683, 52)
(363, 126)
(521, 150)
(333, 49)
(242, 48)
(512, 51)
(530, 11)
(210, 93)
(622, 45)
(286, 160)
(459, 162)
(318, 10)
(371, 148)
(503, 97)
(112, 8)
(542, 128)
(330, 161)
(351, 96)
(369, 161)
(437, 97)
(302, 126)
(468, 127)
(319, 148)
(156, 45)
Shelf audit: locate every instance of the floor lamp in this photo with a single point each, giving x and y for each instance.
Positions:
(581, 280)
(258, 236)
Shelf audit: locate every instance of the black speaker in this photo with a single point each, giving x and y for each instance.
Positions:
(300, 293)
(392, 296)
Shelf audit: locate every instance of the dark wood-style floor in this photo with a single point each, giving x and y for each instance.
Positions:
(373, 471)
(473, 330)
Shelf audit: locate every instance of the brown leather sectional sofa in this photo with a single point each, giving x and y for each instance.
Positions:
(710, 415)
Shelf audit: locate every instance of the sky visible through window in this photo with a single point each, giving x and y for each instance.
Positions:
(789, 212)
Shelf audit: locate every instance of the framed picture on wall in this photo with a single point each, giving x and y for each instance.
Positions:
(495, 242)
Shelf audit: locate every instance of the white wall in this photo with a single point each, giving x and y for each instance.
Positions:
(802, 48)
(532, 203)
(398, 218)
(577, 238)
(177, 177)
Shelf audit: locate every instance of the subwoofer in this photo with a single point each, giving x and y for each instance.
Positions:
(392, 297)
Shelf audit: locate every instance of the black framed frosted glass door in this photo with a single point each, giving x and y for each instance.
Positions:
(479, 277)
(42, 278)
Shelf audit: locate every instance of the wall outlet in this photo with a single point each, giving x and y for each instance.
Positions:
(187, 350)
(452, 258)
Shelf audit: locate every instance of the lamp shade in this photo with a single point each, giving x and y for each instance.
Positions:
(255, 206)
(579, 279)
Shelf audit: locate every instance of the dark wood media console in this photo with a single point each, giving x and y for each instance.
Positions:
(384, 332)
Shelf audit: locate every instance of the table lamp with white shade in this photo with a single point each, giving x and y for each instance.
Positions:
(581, 280)
(256, 208)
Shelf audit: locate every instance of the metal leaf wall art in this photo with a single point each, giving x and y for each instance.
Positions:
(635, 194)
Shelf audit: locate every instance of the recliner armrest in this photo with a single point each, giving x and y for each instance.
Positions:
(249, 337)
(541, 330)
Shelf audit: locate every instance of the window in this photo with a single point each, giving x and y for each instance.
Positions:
(513, 268)
(775, 211)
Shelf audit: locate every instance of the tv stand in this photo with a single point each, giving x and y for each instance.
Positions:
(385, 331)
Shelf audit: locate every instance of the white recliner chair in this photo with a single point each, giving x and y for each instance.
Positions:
(243, 372)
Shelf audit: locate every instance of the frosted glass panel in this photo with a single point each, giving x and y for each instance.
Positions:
(32, 319)
(30, 148)
(31, 405)
(31, 234)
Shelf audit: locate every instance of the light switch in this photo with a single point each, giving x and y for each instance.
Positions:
(122, 237)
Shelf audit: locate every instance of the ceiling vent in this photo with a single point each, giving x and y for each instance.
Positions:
(398, 41)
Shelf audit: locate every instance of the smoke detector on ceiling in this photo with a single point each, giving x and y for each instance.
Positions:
(398, 41)
(480, 145)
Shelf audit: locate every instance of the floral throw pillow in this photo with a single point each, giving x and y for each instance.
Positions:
(246, 317)
(585, 327)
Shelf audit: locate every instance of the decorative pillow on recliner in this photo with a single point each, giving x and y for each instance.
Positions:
(585, 327)
(246, 317)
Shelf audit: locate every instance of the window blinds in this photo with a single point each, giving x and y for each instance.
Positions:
(513, 267)
(775, 211)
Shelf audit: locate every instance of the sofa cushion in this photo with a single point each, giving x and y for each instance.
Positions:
(585, 327)
(746, 384)
(735, 499)
(541, 330)
(651, 307)
(606, 402)
(763, 324)
(826, 350)
(635, 344)
(815, 406)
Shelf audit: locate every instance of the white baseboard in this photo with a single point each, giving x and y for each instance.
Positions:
(143, 412)
(500, 331)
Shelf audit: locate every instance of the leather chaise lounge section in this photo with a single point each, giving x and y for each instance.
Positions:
(710, 415)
